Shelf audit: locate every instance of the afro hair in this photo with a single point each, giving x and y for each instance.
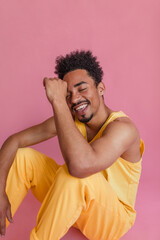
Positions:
(79, 60)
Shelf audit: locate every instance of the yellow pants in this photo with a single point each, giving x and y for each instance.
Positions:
(88, 204)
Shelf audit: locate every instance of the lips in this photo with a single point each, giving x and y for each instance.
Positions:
(80, 107)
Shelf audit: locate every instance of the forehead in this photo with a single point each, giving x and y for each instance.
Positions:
(77, 76)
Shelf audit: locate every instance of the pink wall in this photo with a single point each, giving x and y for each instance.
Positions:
(125, 35)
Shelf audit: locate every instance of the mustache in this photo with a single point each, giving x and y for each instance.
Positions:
(78, 103)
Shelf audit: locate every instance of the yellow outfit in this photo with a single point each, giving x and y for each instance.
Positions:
(101, 205)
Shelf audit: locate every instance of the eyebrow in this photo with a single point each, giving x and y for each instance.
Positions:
(78, 84)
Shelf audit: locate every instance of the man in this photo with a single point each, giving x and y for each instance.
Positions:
(95, 190)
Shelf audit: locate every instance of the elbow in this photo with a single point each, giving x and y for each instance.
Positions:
(15, 140)
(76, 173)
(79, 170)
(12, 140)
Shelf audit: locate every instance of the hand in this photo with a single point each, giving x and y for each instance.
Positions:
(5, 211)
(56, 89)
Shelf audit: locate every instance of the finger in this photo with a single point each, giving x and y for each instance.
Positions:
(44, 81)
(3, 226)
(55, 78)
(9, 215)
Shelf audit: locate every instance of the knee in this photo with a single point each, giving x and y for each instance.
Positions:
(23, 157)
(63, 173)
(21, 169)
(63, 176)
(23, 152)
(71, 183)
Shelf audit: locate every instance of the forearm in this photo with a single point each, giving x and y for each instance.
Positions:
(75, 149)
(7, 154)
(25, 138)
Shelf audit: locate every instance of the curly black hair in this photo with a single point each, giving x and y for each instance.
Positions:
(79, 60)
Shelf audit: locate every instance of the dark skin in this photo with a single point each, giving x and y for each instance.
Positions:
(76, 96)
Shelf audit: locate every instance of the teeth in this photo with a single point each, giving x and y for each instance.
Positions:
(81, 107)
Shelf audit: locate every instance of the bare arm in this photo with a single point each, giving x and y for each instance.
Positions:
(27, 137)
(82, 158)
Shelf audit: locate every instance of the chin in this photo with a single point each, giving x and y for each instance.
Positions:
(85, 119)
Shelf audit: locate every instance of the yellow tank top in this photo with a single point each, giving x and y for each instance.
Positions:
(122, 175)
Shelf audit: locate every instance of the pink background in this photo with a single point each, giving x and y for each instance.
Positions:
(125, 35)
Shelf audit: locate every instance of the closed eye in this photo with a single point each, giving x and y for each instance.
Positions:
(83, 89)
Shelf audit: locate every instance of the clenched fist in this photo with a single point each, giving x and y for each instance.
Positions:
(56, 89)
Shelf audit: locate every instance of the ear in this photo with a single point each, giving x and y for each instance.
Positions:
(101, 88)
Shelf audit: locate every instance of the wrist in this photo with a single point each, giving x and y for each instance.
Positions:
(59, 103)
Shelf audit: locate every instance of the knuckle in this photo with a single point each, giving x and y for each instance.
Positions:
(2, 226)
(2, 216)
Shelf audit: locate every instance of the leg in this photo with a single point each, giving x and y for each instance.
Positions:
(30, 169)
(90, 203)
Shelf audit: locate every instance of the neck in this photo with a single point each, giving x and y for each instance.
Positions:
(98, 120)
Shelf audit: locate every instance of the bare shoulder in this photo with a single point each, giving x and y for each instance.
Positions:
(125, 131)
(124, 126)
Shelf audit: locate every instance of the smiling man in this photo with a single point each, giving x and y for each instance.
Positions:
(95, 190)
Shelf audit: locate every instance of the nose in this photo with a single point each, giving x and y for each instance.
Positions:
(75, 98)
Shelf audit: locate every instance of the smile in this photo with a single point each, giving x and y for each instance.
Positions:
(81, 108)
